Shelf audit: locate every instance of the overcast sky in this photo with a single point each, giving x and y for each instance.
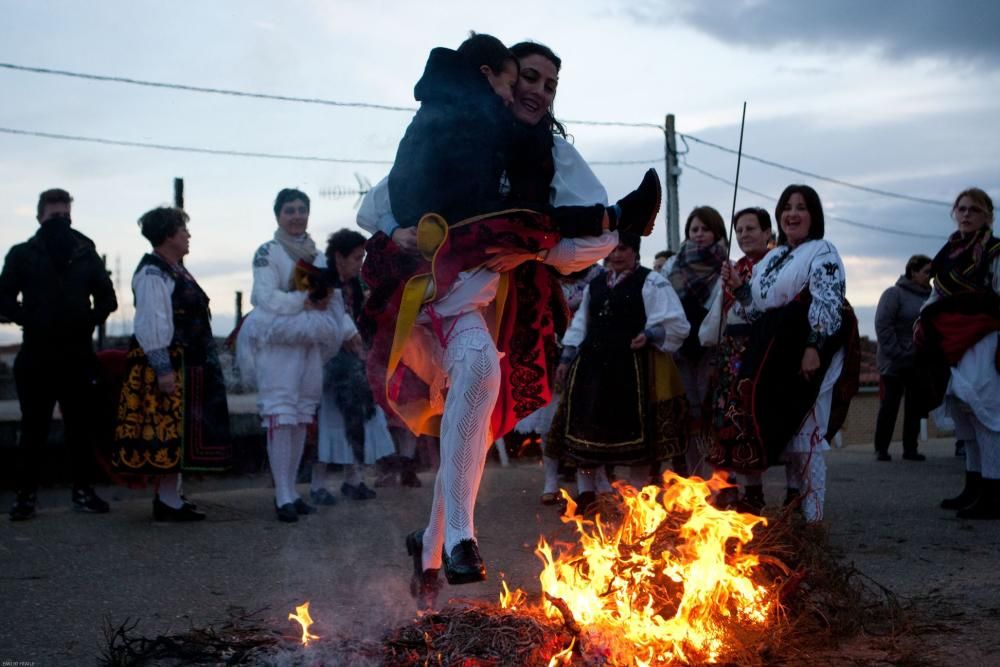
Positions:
(893, 95)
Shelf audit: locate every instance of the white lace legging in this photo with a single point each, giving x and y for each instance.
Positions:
(472, 364)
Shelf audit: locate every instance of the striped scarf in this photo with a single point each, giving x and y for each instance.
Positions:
(964, 264)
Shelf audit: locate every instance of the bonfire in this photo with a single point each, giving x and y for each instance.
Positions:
(657, 576)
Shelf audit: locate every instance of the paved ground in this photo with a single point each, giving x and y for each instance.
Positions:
(63, 573)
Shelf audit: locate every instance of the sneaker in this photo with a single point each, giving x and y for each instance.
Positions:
(639, 207)
(85, 500)
(913, 456)
(24, 506)
(322, 497)
(359, 492)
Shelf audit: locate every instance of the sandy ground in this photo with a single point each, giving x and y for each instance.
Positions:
(62, 574)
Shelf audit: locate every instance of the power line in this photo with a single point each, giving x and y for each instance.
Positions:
(853, 223)
(386, 107)
(828, 179)
(188, 149)
(616, 163)
(266, 96)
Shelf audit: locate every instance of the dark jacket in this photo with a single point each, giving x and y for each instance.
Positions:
(898, 309)
(55, 295)
(453, 156)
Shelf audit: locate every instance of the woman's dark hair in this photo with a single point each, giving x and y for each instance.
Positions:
(343, 242)
(287, 195)
(763, 217)
(161, 223)
(525, 49)
(916, 263)
(480, 49)
(813, 205)
(665, 254)
(711, 218)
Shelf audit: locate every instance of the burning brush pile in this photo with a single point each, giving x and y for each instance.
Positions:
(656, 577)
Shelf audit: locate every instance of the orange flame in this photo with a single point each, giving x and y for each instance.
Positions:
(511, 599)
(564, 656)
(655, 602)
(302, 617)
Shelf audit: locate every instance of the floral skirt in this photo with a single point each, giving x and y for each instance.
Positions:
(157, 434)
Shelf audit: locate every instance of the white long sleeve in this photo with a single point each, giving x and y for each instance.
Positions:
(574, 182)
(271, 275)
(664, 309)
(375, 212)
(154, 310)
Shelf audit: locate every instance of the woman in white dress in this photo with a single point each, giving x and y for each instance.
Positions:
(801, 319)
(352, 428)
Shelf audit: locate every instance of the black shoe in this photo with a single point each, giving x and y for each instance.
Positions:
(884, 456)
(986, 505)
(584, 501)
(287, 513)
(24, 506)
(163, 512)
(408, 473)
(302, 507)
(752, 501)
(973, 485)
(322, 497)
(85, 500)
(424, 584)
(464, 565)
(913, 456)
(639, 207)
(359, 492)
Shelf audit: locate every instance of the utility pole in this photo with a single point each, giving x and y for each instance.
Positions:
(102, 327)
(179, 192)
(673, 172)
(239, 307)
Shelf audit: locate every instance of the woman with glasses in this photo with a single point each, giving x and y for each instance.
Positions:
(959, 326)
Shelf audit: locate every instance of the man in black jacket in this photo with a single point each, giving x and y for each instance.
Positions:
(64, 293)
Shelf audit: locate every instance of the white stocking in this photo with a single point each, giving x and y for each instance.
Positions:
(352, 474)
(168, 488)
(318, 476)
(434, 533)
(473, 367)
(585, 480)
(551, 466)
(279, 442)
(298, 446)
(811, 470)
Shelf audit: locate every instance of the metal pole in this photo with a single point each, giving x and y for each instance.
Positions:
(239, 307)
(101, 328)
(179, 192)
(673, 171)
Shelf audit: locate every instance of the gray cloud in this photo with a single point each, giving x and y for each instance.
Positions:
(897, 29)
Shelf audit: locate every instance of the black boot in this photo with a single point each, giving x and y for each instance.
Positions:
(424, 584)
(752, 501)
(408, 472)
(986, 505)
(973, 484)
(635, 213)
(464, 565)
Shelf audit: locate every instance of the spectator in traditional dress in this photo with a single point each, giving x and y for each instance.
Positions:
(172, 415)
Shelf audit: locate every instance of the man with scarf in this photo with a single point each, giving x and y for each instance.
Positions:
(65, 292)
(297, 324)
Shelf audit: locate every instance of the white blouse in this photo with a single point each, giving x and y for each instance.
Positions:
(663, 309)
